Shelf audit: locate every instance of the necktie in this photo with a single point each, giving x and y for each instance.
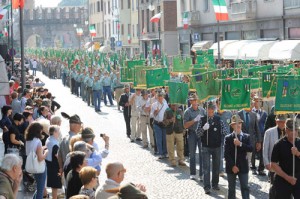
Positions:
(282, 134)
(247, 120)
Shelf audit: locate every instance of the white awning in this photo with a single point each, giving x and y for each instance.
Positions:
(288, 50)
(257, 50)
(222, 46)
(104, 49)
(201, 45)
(231, 51)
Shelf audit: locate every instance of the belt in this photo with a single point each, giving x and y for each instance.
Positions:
(157, 122)
(145, 115)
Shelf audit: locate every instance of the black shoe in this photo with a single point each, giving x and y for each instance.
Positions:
(261, 173)
(254, 172)
(132, 140)
(128, 136)
(138, 139)
(217, 188)
(207, 191)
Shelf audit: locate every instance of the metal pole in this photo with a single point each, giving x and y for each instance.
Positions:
(22, 48)
(218, 40)
(12, 37)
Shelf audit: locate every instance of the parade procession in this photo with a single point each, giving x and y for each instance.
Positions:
(157, 99)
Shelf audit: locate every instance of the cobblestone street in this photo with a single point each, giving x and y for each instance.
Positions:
(161, 180)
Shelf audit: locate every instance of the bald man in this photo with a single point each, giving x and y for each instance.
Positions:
(115, 175)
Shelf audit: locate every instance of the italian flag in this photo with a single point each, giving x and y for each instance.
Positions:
(3, 11)
(185, 20)
(79, 31)
(92, 31)
(129, 38)
(155, 18)
(220, 10)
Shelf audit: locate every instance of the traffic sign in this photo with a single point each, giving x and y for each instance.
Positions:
(119, 43)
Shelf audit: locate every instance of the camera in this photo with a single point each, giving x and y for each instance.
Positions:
(102, 135)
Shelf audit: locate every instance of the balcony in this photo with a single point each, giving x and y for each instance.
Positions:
(195, 18)
(243, 10)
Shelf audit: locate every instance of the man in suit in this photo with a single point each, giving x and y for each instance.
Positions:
(261, 117)
(236, 146)
(124, 102)
(250, 126)
(272, 135)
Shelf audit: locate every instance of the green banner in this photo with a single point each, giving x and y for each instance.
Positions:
(287, 94)
(268, 84)
(178, 92)
(140, 76)
(235, 94)
(182, 65)
(156, 77)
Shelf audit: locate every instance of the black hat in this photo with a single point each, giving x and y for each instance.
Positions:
(211, 105)
(72, 119)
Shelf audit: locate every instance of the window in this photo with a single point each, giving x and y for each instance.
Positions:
(132, 5)
(122, 4)
(148, 21)
(205, 5)
(98, 6)
(137, 4)
(132, 31)
(105, 31)
(143, 18)
(108, 7)
(129, 29)
(101, 5)
(104, 8)
(153, 24)
(128, 2)
(137, 30)
(122, 29)
(109, 30)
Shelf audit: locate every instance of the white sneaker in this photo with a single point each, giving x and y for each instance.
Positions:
(193, 177)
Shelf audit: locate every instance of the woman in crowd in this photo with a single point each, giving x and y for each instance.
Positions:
(33, 137)
(5, 122)
(14, 139)
(52, 144)
(89, 179)
(74, 184)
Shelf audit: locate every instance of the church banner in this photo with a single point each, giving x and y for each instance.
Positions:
(287, 95)
(235, 94)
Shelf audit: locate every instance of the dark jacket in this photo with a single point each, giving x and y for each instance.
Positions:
(171, 127)
(229, 153)
(214, 132)
(123, 100)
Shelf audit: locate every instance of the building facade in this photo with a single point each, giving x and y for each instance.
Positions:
(158, 37)
(248, 20)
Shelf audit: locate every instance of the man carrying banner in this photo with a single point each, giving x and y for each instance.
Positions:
(286, 183)
(211, 129)
(236, 146)
(272, 135)
(192, 115)
(89, 89)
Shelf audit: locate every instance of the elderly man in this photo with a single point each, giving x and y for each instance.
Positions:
(10, 176)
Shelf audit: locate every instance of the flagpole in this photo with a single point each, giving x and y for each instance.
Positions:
(22, 48)
(12, 37)
(218, 40)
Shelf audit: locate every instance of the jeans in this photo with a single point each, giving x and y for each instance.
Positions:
(40, 184)
(161, 139)
(64, 78)
(107, 91)
(222, 156)
(97, 99)
(243, 177)
(34, 71)
(215, 153)
(193, 142)
(82, 91)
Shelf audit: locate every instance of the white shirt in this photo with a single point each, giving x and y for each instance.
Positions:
(34, 64)
(134, 110)
(140, 105)
(151, 101)
(162, 107)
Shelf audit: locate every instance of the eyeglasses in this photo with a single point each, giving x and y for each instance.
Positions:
(96, 177)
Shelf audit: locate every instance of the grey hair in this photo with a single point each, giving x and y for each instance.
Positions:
(55, 120)
(80, 146)
(10, 160)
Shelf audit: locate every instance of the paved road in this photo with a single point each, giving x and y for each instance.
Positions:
(161, 180)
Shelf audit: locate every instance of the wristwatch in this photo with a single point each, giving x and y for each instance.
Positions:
(241, 144)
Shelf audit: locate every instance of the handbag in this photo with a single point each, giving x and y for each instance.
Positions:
(13, 150)
(33, 165)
